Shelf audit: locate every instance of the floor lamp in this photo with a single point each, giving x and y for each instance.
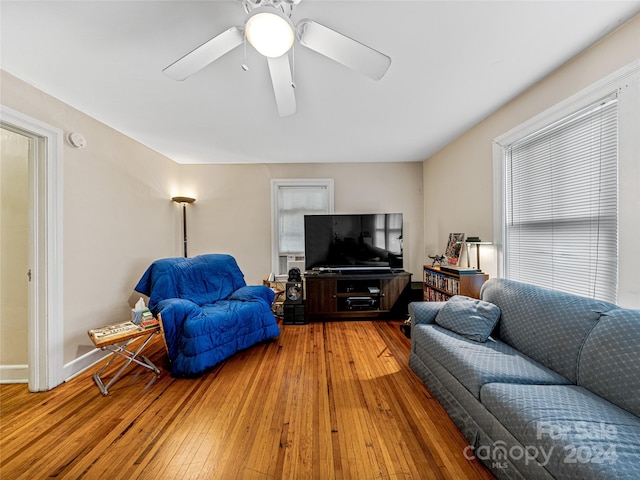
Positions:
(184, 201)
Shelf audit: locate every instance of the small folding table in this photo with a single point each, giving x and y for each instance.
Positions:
(117, 339)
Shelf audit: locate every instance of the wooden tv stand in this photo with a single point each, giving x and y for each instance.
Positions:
(352, 295)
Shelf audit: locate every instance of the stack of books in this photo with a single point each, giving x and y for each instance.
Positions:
(459, 270)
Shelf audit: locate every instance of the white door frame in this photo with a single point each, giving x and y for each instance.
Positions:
(45, 322)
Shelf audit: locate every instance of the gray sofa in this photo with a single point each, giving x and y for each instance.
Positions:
(554, 392)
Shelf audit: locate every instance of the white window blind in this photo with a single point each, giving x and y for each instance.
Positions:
(294, 202)
(561, 204)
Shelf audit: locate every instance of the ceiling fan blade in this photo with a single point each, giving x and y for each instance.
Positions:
(343, 49)
(282, 85)
(206, 53)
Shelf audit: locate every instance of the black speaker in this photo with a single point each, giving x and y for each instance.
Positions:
(294, 314)
(293, 293)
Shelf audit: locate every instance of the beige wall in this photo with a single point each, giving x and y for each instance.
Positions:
(469, 204)
(14, 241)
(232, 213)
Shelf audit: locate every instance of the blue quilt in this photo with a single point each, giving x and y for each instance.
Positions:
(208, 311)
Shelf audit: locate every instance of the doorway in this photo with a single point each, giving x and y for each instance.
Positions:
(41, 247)
(15, 158)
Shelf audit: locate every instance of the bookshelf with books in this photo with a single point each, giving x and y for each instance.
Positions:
(440, 284)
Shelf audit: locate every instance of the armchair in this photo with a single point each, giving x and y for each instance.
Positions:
(208, 311)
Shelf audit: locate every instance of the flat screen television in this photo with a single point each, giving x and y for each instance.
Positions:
(353, 242)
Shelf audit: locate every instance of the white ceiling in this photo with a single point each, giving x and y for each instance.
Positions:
(453, 64)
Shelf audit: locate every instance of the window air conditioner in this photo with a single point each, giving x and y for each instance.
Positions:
(295, 261)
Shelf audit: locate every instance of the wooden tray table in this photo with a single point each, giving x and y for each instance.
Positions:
(116, 338)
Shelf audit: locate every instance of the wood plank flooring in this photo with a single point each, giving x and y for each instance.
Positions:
(333, 400)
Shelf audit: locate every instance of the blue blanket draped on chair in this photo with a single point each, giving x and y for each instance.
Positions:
(208, 311)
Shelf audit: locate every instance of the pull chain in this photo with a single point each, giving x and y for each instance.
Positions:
(293, 66)
(245, 67)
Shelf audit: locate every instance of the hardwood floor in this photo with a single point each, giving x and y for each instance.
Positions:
(325, 400)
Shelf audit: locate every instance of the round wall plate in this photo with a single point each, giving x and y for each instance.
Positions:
(77, 140)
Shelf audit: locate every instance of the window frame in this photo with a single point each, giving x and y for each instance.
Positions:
(326, 183)
(625, 82)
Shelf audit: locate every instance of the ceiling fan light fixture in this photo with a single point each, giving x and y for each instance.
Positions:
(269, 32)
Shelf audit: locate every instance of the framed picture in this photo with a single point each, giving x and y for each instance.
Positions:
(454, 246)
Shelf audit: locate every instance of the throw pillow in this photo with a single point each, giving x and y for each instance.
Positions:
(472, 318)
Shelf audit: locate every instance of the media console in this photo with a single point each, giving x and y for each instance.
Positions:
(353, 295)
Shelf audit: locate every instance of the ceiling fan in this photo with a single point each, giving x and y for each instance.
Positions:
(269, 29)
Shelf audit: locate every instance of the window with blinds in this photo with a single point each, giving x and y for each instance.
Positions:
(291, 201)
(561, 205)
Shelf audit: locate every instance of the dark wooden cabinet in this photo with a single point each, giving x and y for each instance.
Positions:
(331, 296)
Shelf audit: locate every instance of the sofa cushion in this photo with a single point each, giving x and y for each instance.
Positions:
(472, 318)
(610, 359)
(546, 325)
(475, 364)
(574, 433)
(485, 435)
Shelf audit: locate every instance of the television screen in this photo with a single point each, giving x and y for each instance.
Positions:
(353, 242)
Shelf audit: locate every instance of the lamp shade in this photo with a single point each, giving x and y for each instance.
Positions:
(183, 199)
(269, 32)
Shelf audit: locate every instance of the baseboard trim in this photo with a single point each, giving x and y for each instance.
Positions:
(82, 363)
(14, 373)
